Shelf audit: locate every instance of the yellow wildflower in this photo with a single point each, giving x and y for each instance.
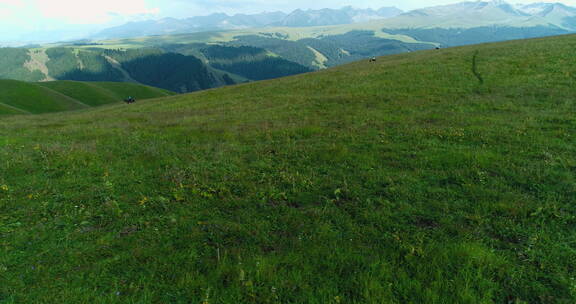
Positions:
(4, 187)
(143, 201)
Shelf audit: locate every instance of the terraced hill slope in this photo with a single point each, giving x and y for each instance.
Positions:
(17, 97)
(442, 176)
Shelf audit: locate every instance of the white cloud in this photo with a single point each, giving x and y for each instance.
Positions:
(11, 2)
(90, 12)
(77, 11)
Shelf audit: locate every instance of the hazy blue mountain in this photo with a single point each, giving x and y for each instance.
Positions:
(221, 21)
(169, 26)
(238, 21)
(346, 15)
(301, 18)
(464, 15)
(483, 21)
(555, 13)
(164, 26)
(388, 12)
(546, 9)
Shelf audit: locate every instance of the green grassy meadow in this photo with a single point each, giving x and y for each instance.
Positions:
(443, 176)
(18, 97)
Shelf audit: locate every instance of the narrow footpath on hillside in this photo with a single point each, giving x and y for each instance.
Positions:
(14, 108)
(74, 100)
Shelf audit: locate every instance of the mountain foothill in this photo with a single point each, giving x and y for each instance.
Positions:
(198, 53)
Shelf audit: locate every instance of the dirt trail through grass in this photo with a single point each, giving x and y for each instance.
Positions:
(74, 100)
(14, 108)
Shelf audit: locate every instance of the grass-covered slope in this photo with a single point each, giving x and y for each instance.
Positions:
(101, 93)
(432, 177)
(17, 97)
(10, 110)
(31, 98)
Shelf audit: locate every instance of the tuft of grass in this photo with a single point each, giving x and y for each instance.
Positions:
(399, 181)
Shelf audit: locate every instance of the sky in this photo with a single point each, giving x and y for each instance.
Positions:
(20, 19)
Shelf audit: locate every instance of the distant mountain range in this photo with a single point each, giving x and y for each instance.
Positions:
(346, 15)
(482, 21)
(487, 13)
(555, 13)
(462, 15)
(220, 21)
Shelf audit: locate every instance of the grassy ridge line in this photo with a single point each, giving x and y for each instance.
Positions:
(121, 89)
(100, 93)
(71, 99)
(9, 110)
(90, 95)
(59, 96)
(34, 98)
(400, 181)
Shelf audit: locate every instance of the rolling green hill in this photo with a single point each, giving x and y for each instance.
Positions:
(442, 176)
(56, 96)
(172, 67)
(101, 93)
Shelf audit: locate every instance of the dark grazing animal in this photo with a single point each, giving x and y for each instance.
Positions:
(373, 59)
(129, 100)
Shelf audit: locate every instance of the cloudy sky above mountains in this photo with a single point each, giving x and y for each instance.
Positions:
(22, 16)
